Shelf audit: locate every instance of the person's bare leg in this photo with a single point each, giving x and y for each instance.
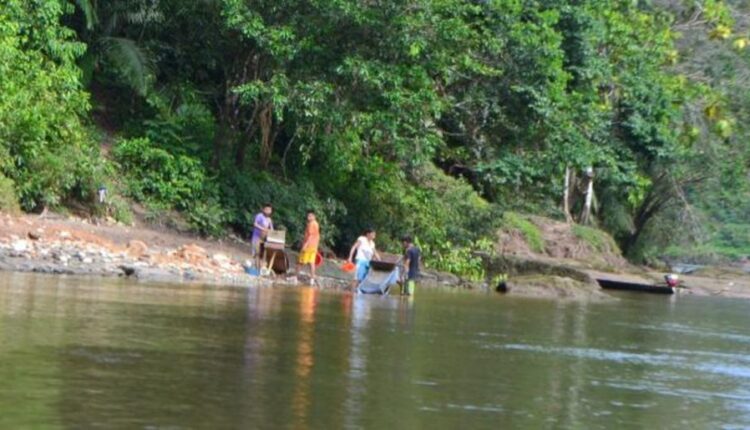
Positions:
(256, 256)
(312, 273)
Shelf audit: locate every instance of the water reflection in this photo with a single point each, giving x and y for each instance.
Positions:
(357, 364)
(79, 354)
(301, 401)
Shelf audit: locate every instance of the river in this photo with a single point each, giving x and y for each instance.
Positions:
(83, 353)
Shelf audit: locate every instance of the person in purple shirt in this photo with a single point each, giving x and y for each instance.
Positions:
(261, 226)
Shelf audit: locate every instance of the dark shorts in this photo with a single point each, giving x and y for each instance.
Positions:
(257, 247)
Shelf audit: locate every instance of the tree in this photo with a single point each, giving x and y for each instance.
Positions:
(44, 146)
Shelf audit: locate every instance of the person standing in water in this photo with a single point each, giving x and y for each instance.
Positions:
(309, 251)
(365, 251)
(261, 226)
(412, 255)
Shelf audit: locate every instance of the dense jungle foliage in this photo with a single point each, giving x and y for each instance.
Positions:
(428, 117)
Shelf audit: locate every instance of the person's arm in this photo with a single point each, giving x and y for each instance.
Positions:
(375, 254)
(306, 239)
(354, 248)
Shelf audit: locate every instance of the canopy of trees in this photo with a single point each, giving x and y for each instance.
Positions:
(427, 117)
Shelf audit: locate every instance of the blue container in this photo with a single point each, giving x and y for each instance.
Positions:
(252, 271)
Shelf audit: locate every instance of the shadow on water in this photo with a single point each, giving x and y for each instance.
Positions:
(80, 353)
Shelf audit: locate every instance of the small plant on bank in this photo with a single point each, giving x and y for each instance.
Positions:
(207, 218)
(530, 232)
(120, 211)
(8, 200)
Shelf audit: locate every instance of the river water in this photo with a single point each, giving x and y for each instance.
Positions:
(83, 353)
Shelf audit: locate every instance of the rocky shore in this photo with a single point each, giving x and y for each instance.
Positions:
(65, 252)
(74, 246)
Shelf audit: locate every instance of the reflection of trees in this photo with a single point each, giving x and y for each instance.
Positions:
(28, 364)
(568, 381)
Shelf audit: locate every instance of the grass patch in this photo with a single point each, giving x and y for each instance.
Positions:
(8, 199)
(531, 233)
(121, 211)
(597, 239)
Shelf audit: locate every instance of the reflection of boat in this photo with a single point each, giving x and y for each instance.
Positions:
(381, 276)
(610, 284)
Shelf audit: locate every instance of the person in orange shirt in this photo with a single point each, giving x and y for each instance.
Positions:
(309, 250)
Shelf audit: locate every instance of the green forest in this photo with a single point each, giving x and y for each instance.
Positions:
(443, 119)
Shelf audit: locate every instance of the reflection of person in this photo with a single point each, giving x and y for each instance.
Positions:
(309, 250)
(411, 266)
(261, 226)
(365, 248)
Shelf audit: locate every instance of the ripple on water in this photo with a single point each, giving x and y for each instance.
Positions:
(684, 329)
(476, 408)
(595, 354)
(104, 356)
(487, 408)
(743, 358)
(664, 357)
(725, 369)
(683, 393)
(426, 383)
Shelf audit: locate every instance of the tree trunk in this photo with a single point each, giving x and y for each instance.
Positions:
(566, 196)
(266, 140)
(586, 213)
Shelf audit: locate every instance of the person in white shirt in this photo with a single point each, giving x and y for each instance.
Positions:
(365, 251)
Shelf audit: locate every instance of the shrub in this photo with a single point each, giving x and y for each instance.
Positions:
(243, 194)
(459, 260)
(8, 199)
(207, 218)
(44, 146)
(189, 128)
(120, 210)
(153, 173)
(426, 203)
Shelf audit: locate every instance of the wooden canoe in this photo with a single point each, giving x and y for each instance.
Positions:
(632, 286)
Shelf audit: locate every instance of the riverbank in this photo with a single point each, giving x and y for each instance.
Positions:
(57, 244)
(549, 258)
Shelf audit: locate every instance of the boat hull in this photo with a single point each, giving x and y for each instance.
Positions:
(632, 286)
